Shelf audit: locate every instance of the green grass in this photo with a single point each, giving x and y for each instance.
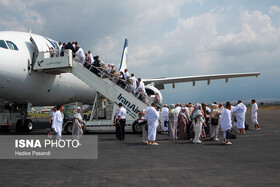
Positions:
(38, 115)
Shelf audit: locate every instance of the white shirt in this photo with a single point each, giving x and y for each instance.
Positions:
(221, 109)
(134, 80)
(91, 58)
(208, 109)
(117, 113)
(126, 74)
(240, 111)
(142, 86)
(58, 120)
(226, 120)
(59, 49)
(178, 109)
(164, 112)
(52, 114)
(254, 109)
(80, 53)
(122, 113)
(152, 116)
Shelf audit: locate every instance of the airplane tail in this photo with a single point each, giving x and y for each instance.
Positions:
(123, 64)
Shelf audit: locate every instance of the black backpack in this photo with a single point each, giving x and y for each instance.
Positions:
(231, 134)
(215, 120)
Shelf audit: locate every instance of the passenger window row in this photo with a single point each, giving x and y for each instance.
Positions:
(5, 45)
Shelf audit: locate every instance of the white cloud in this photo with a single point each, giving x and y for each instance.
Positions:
(215, 41)
(274, 9)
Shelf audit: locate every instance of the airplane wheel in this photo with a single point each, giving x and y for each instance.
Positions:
(136, 127)
(28, 125)
(68, 128)
(19, 125)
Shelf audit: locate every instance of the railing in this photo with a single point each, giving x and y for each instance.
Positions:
(104, 74)
(55, 53)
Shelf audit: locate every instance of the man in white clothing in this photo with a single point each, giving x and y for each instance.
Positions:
(240, 111)
(221, 108)
(178, 108)
(152, 116)
(126, 74)
(80, 54)
(141, 85)
(164, 116)
(134, 80)
(58, 121)
(90, 57)
(226, 121)
(52, 115)
(59, 48)
(254, 115)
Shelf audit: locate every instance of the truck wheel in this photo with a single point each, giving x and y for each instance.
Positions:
(68, 128)
(28, 125)
(136, 127)
(19, 125)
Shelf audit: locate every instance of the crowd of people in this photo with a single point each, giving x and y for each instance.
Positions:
(195, 122)
(180, 122)
(128, 82)
(56, 123)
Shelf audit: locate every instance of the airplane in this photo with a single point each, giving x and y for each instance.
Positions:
(20, 86)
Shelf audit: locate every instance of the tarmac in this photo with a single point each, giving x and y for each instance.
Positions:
(252, 160)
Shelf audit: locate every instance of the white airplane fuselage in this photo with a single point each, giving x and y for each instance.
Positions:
(20, 85)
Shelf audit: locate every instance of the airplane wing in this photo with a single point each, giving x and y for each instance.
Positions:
(160, 82)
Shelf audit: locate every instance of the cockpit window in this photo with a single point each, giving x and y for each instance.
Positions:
(3, 44)
(11, 45)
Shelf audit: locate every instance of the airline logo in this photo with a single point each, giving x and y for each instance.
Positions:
(130, 107)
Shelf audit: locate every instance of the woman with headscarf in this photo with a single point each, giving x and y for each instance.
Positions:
(77, 130)
(173, 123)
(214, 127)
(182, 124)
(198, 120)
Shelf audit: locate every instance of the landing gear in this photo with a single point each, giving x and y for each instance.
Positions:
(68, 127)
(28, 125)
(136, 127)
(24, 125)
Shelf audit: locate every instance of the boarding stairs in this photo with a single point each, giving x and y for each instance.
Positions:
(102, 82)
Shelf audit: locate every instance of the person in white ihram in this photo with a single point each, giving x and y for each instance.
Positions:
(226, 122)
(126, 74)
(152, 116)
(58, 121)
(178, 108)
(80, 55)
(254, 115)
(141, 85)
(240, 111)
(134, 80)
(164, 116)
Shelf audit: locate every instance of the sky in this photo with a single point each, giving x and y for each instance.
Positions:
(168, 39)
